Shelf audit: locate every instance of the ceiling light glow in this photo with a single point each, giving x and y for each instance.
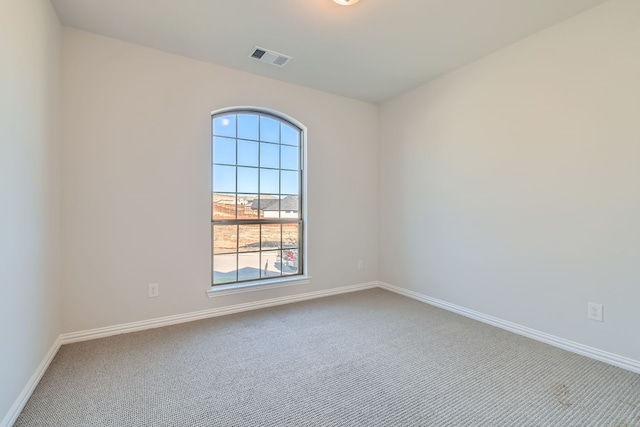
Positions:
(346, 2)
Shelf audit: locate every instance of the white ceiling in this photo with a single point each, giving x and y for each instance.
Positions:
(370, 51)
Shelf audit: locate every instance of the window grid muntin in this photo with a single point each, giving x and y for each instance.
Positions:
(298, 144)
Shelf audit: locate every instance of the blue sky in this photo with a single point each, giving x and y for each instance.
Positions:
(259, 146)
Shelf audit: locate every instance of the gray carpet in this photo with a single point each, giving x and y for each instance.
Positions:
(370, 358)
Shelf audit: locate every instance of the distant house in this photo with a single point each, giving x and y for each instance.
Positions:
(225, 205)
(287, 207)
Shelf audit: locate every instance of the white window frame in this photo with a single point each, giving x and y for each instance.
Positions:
(282, 281)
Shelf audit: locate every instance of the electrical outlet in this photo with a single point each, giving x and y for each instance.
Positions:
(594, 312)
(153, 290)
(360, 264)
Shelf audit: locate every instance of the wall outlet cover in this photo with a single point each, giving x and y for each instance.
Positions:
(153, 290)
(594, 312)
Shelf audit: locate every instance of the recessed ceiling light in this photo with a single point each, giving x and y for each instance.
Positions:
(346, 2)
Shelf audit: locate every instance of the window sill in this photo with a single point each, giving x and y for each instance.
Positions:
(259, 285)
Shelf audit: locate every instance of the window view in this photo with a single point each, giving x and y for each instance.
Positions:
(256, 207)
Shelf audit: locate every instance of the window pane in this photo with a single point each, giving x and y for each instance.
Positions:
(290, 136)
(269, 181)
(269, 155)
(247, 180)
(290, 261)
(269, 129)
(225, 126)
(224, 179)
(248, 238)
(249, 266)
(248, 126)
(290, 236)
(290, 157)
(247, 153)
(225, 269)
(224, 206)
(225, 239)
(246, 208)
(290, 207)
(270, 264)
(271, 236)
(289, 182)
(224, 150)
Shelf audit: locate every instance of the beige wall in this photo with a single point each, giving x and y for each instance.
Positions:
(511, 186)
(136, 180)
(29, 191)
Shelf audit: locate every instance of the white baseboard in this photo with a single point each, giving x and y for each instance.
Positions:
(204, 314)
(24, 396)
(574, 347)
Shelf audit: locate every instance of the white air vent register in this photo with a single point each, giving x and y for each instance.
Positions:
(269, 56)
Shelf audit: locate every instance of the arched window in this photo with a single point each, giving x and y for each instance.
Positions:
(257, 217)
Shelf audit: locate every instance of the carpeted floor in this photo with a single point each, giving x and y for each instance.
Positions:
(369, 358)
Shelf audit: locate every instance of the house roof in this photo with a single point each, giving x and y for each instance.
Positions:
(289, 203)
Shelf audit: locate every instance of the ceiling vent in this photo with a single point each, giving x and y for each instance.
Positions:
(269, 56)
